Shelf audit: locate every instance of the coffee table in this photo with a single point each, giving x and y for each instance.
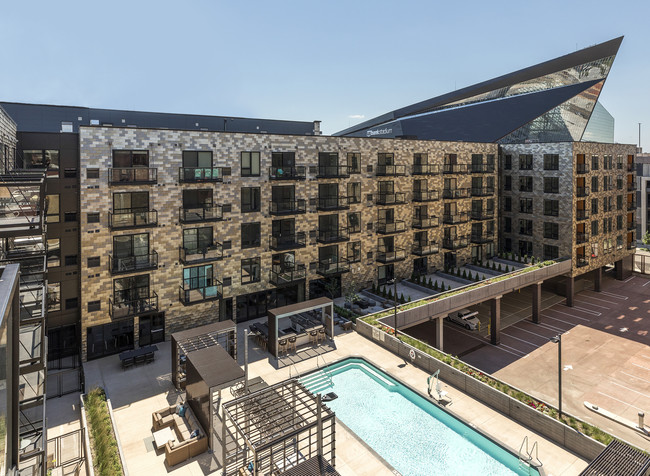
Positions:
(162, 436)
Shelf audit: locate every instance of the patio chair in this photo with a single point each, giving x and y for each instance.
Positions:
(291, 345)
(313, 337)
(321, 335)
(282, 346)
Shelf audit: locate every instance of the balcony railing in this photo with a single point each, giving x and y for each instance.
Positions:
(482, 214)
(582, 191)
(121, 309)
(209, 253)
(454, 169)
(132, 175)
(631, 205)
(287, 207)
(287, 242)
(425, 169)
(485, 237)
(332, 266)
(333, 171)
(333, 236)
(333, 203)
(582, 237)
(631, 225)
(482, 168)
(387, 228)
(279, 276)
(455, 243)
(391, 198)
(426, 195)
(391, 170)
(631, 187)
(398, 254)
(132, 218)
(424, 249)
(201, 214)
(582, 168)
(425, 222)
(482, 191)
(200, 174)
(582, 261)
(287, 173)
(631, 245)
(630, 167)
(455, 193)
(193, 295)
(582, 214)
(129, 264)
(455, 218)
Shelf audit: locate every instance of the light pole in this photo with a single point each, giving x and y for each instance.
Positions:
(558, 340)
(393, 281)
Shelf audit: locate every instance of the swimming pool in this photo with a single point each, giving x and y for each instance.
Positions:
(412, 434)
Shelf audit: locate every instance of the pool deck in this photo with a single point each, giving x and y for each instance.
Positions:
(137, 392)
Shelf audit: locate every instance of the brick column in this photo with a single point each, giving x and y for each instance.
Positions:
(598, 278)
(569, 291)
(537, 301)
(495, 321)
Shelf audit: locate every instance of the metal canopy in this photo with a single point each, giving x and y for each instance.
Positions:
(216, 367)
(316, 466)
(619, 459)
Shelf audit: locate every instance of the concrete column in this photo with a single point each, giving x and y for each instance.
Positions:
(598, 278)
(569, 291)
(439, 334)
(495, 321)
(537, 302)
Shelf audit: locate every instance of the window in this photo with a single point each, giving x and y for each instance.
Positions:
(53, 253)
(92, 173)
(53, 211)
(619, 222)
(70, 172)
(525, 248)
(53, 297)
(551, 230)
(354, 222)
(93, 217)
(197, 238)
(126, 247)
(551, 252)
(507, 162)
(250, 164)
(594, 184)
(525, 184)
(619, 202)
(354, 251)
(94, 262)
(525, 162)
(526, 205)
(507, 183)
(131, 289)
(507, 225)
(551, 208)
(594, 162)
(130, 201)
(526, 227)
(42, 159)
(551, 162)
(197, 159)
(594, 206)
(608, 163)
(354, 192)
(250, 199)
(594, 250)
(200, 277)
(250, 270)
(619, 182)
(507, 245)
(71, 260)
(250, 235)
(619, 242)
(71, 303)
(94, 306)
(551, 184)
(607, 204)
(507, 204)
(70, 217)
(594, 228)
(130, 158)
(354, 162)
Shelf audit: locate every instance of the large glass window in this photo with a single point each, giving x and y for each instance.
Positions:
(53, 297)
(551, 162)
(42, 159)
(250, 235)
(526, 162)
(130, 158)
(127, 246)
(551, 185)
(53, 252)
(136, 201)
(250, 270)
(551, 230)
(250, 164)
(354, 162)
(250, 199)
(197, 158)
(197, 238)
(354, 192)
(198, 277)
(53, 210)
(354, 251)
(354, 222)
(109, 338)
(551, 208)
(131, 288)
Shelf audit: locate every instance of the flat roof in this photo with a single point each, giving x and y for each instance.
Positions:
(300, 307)
(215, 366)
(316, 466)
(206, 329)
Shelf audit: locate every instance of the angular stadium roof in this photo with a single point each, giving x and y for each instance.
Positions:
(549, 102)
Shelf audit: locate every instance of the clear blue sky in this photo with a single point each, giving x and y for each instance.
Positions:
(330, 60)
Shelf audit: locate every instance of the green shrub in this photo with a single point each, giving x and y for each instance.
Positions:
(106, 456)
(483, 277)
(464, 274)
(499, 268)
(435, 285)
(390, 293)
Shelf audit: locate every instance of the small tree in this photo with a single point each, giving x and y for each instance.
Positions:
(449, 287)
(646, 238)
(499, 269)
(402, 299)
(435, 285)
(429, 282)
(373, 290)
(390, 293)
(409, 298)
(331, 288)
(532, 260)
(351, 296)
(483, 278)
(464, 274)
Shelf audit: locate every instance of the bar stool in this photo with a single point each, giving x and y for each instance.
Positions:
(282, 346)
(292, 344)
(321, 334)
(313, 337)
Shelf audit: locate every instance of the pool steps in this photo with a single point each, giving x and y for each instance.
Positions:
(321, 380)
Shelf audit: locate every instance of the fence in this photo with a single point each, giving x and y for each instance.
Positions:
(67, 452)
(64, 382)
(642, 263)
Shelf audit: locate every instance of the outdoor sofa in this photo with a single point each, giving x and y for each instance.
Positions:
(184, 447)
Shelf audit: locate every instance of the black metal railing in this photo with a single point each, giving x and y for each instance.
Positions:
(425, 169)
(482, 168)
(582, 168)
(333, 265)
(333, 235)
(582, 261)
(482, 214)
(200, 214)
(119, 309)
(426, 195)
(454, 169)
(631, 205)
(194, 294)
(630, 167)
(333, 203)
(582, 214)
(386, 198)
(391, 170)
(281, 276)
(333, 171)
(132, 218)
(129, 264)
(631, 187)
(455, 243)
(388, 227)
(582, 191)
(385, 256)
(455, 193)
(484, 237)
(207, 253)
(631, 245)
(423, 249)
(286, 242)
(200, 174)
(287, 207)
(482, 191)
(132, 175)
(425, 222)
(631, 225)
(455, 218)
(288, 173)
(582, 237)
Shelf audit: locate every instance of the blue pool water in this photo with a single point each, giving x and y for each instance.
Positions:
(409, 432)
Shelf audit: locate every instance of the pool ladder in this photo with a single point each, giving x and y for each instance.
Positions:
(526, 458)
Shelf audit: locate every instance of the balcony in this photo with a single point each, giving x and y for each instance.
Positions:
(482, 214)
(630, 168)
(333, 203)
(631, 187)
(582, 191)
(581, 261)
(280, 276)
(132, 176)
(631, 226)
(333, 171)
(582, 168)
(424, 249)
(454, 169)
(482, 168)
(332, 266)
(425, 169)
(455, 218)
(333, 236)
(582, 237)
(631, 205)
(287, 207)
(287, 173)
(193, 295)
(482, 191)
(132, 218)
(387, 228)
(130, 264)
(426, 195)
(455, 243)
(631, 245)
(582, 214)
(398, 254)
(193, 255)
(287, 242)
(391, 198)
(201, 214)
(485, 237)
(425, 222)
(134, 307)
(200, 174)
(390, 170)
(452, 193)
